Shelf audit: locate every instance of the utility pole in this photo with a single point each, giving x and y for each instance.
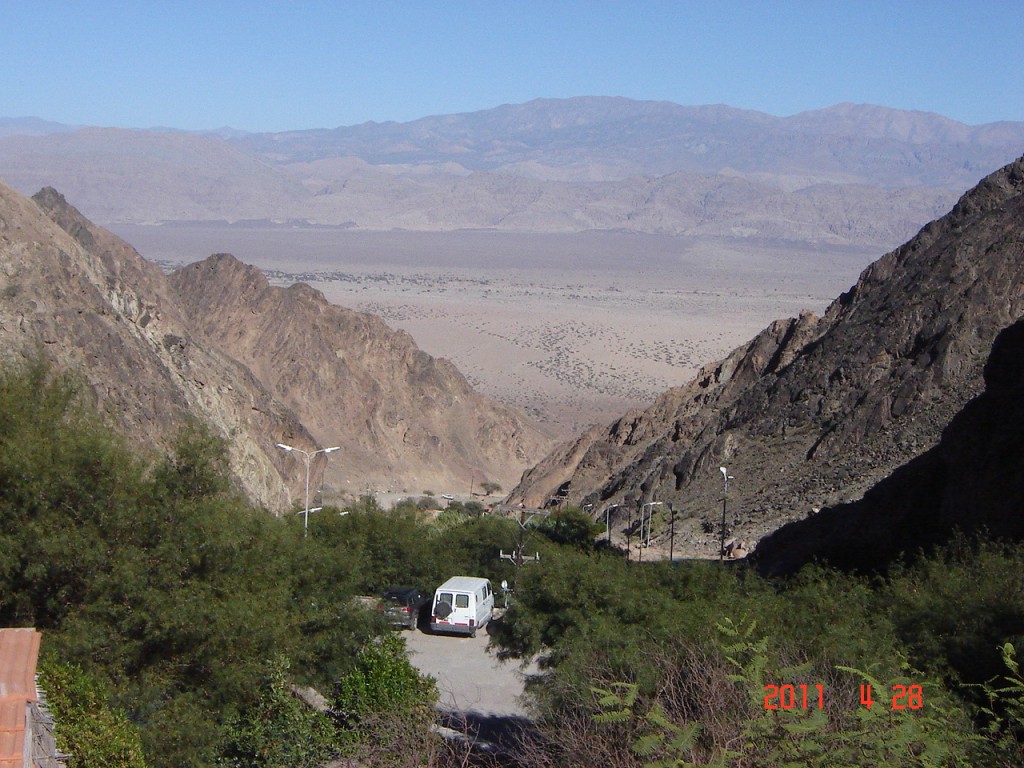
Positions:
(517, 558)
(726, 477)
(672, 530)
(608, 522)
(629, 532)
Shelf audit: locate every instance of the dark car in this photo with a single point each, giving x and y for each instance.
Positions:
(401, 606)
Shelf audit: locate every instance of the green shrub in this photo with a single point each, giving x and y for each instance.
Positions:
(382, 690)
(94, 733)
(278, 730)
(571, 526)
(955, 608)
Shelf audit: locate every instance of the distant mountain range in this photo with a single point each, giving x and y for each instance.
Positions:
(847, 174)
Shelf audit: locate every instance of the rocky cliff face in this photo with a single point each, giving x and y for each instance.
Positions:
(218, 343)
(90, 302)
(402, 418)
(970, 482)
(814, 411)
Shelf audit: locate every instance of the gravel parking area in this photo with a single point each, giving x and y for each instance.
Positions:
(470, 677)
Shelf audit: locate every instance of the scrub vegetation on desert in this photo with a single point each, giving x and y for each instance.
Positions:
(573, 329)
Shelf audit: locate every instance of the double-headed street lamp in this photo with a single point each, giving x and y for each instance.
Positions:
(309, 457)
(650, 520)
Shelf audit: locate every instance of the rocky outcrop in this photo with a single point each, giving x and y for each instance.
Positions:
(814, 411)
(91, 303)
(402, 418)
(970, 482)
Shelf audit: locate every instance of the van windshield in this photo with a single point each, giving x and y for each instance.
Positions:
(462, 601)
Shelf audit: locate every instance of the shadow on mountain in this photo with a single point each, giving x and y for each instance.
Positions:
(972, 482)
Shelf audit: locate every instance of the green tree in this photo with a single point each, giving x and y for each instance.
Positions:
(570, 525)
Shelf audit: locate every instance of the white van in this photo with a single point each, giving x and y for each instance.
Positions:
(462, 604)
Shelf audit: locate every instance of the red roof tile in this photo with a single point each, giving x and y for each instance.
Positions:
(19, 652)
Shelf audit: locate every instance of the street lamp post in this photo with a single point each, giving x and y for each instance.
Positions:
(309, 457)
(650, 521)
(726, 477)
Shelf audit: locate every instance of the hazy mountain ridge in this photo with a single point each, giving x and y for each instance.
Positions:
(148, 176)
(657, 138)
(850, 173)
(155, 359)
(32, 126)
(814, 411)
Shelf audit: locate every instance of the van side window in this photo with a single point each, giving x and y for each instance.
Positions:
(462, 601)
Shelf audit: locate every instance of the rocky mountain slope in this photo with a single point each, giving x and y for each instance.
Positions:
(814, 411)
(156, 354)
(970, 482)
(848, 174)
(90, 302)
(401, 417)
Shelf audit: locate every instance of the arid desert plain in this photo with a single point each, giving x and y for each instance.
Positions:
(574, 329)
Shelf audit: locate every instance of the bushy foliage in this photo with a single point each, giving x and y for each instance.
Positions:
(152, 575)
(955, 609)
(94, 733)
(382, 684)
(688, 723)
(678, 685)
(278, 730)
(180, 615)
(189, 609)
(1004, 711)
(570, 525)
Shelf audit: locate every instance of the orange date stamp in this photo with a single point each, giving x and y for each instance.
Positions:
(803, 696)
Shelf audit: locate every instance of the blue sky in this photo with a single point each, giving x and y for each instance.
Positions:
(265, 66)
